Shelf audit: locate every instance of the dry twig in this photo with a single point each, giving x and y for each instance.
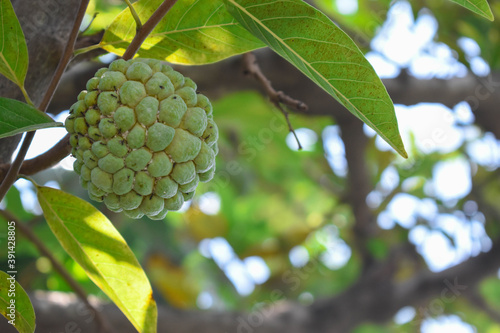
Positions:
(278, 98)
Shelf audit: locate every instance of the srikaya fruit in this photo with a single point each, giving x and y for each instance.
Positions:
(142, 137)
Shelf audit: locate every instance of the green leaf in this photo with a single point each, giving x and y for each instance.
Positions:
(21, 312)
(13, 49)
(18, 117)
(316, 46)
(193, 32)
(94, 243)
(480, 7)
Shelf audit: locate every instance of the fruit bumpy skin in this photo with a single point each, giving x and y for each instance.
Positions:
(142, 137)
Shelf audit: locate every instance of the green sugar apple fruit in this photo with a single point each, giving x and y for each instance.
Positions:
(142, 137)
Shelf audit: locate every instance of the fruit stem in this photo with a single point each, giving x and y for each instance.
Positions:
(146, 29)
(138, 23)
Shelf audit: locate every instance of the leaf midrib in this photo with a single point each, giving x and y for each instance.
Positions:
(475, 6)
(14, 78)
(24, 117)
(171, 32)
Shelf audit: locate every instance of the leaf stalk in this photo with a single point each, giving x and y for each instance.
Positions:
(138, 23)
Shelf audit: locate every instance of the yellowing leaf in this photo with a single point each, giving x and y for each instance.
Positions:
(192, 32)
(172, 281)
(203, 226)
(323, 52)
(94, 243)
(15, 305)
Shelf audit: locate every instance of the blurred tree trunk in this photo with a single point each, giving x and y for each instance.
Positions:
(375, 297)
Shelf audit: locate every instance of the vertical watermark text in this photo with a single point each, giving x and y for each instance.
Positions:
(12, 272)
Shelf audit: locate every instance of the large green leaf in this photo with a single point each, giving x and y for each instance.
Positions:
(92, 241)
(18, 117)
(15, 305)
(13, 49)
(193, 32)
(316, 46)
(480, 7)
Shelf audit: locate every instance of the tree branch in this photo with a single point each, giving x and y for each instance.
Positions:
(359, 185)
(277, 97)
(44, 161)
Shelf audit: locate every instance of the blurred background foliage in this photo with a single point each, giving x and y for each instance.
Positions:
(276, 219)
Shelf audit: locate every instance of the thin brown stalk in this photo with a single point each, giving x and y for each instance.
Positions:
(146, 28)
(43, 161)
(278, 98)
